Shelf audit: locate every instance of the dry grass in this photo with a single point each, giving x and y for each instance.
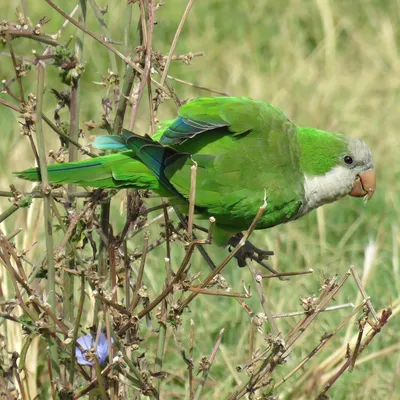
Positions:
(332, 65)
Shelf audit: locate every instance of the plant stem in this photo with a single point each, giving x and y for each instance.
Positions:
(51, 276)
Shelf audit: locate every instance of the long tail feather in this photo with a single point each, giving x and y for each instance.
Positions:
(120, 170)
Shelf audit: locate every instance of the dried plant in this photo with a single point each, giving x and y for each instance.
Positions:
(97, 264)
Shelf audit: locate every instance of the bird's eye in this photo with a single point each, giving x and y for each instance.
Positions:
(348, 160)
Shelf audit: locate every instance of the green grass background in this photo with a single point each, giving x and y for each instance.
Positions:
(333, 65)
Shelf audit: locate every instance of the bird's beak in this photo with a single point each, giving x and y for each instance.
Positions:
(364, 185)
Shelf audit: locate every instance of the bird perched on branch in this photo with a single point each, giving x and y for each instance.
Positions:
(243, 149)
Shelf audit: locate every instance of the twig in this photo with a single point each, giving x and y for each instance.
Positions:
(100, 380)
(136, 297)
(322, 343)
(54, 194)
(162, 334)
(17, 73)
(192, 199)
(111, 303)
(217, 292)
(175, 41)
(186, 57)
(196, 86)
(13, 106)
(106, 33)
(331, 288)
(13, 234)
(147, 64)
(76, 329)
(103, 250)
(376, 329)
(57, 35)
(130, 364)
(90, 204)
(93, 383)
(361, 325)
(72, 153)
(308, 271)
(46, 202)
(363, 293)
(66, 137)
(208, 364)
(154, 220)
(263, 300)
(167, 289)
(167, 230)
(190, 366)
(10, 210)
(51, 378)
(218, 269)
(28, 33)
(104, 43)
(296, 313)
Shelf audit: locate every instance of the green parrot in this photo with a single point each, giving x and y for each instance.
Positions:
(244, 149)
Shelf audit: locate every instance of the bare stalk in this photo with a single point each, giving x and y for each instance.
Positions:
(51, 288)
(207, 365)
(175, 41)
(192, 199)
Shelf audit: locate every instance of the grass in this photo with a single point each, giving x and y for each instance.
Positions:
(331, 65)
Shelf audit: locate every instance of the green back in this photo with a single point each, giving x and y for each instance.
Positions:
(241, 147)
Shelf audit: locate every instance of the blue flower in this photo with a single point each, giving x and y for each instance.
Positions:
(87, 342)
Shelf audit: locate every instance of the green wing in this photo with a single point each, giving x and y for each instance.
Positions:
(241, 147)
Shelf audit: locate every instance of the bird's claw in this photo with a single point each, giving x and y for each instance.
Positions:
(249, 251)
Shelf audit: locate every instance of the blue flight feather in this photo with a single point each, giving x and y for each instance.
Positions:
(110, 142)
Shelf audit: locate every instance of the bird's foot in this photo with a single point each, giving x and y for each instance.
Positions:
(249, 251)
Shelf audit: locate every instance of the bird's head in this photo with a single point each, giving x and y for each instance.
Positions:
(334, 165)
(360, 165)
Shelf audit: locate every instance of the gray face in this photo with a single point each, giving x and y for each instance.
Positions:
(340, 180)
(359, 157)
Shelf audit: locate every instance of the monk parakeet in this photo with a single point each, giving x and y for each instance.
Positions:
(243, 149)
